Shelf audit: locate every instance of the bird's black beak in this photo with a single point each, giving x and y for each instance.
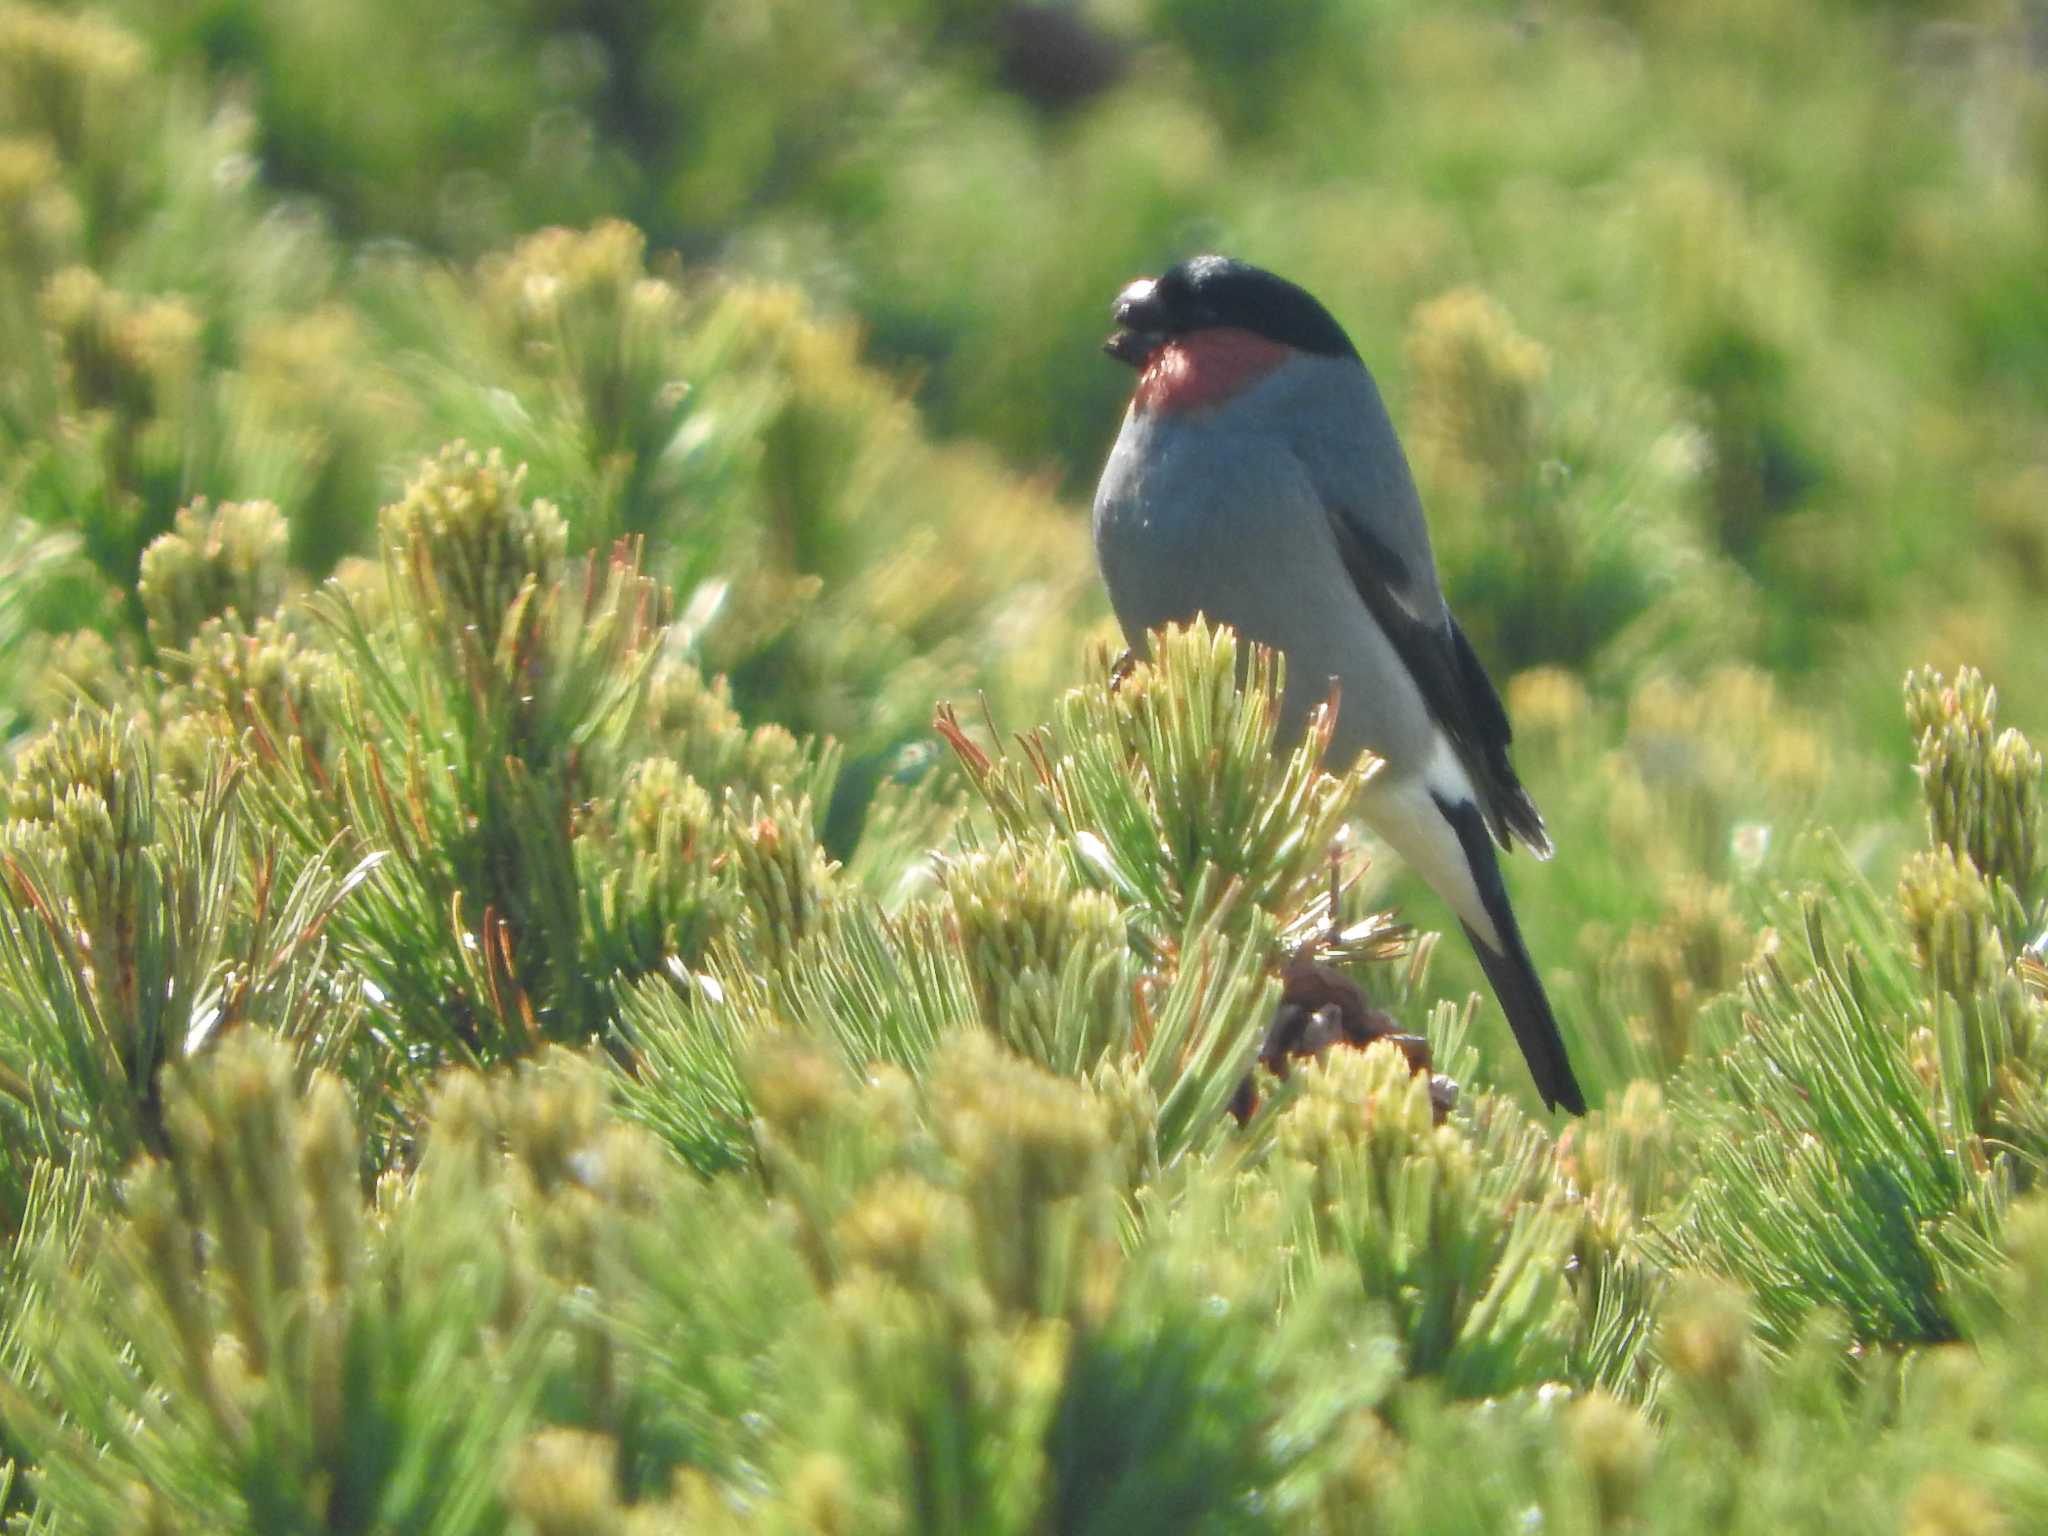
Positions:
(1140, 325)
(1133, 347)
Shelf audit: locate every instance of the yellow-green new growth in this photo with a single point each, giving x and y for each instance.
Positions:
(1982, 786)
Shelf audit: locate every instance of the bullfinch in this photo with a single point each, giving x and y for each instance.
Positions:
(1258, 480)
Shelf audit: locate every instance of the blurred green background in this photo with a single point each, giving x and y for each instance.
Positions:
(513, 1019)
(1718, 334)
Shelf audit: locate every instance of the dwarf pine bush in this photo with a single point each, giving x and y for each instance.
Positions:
(919, 1214)
(930, 1280)
(590, 942)
(1894, 1063)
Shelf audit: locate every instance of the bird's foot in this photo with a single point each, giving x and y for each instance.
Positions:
(1320, 1007)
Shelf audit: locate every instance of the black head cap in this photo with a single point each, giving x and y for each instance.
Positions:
(1206, 292)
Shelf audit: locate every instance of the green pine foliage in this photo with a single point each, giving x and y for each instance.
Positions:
(591, 941)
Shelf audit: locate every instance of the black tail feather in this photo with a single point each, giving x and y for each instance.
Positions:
(1522, 999)
(1509, 969)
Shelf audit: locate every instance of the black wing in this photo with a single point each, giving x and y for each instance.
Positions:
(1454, 685)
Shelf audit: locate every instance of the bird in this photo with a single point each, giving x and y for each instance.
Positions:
(1258, 481)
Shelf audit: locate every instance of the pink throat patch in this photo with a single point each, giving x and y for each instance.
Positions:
(1207, 369)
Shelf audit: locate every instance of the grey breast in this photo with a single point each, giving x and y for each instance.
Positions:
(1194, 516)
